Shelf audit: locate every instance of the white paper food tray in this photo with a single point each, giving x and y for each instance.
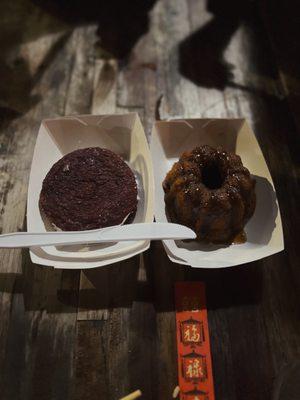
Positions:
(122, 134)
(38, 256)
(264, 231)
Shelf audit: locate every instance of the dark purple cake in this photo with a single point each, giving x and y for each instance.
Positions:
(88, 189)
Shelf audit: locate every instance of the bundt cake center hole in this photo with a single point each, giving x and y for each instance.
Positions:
(212, 176)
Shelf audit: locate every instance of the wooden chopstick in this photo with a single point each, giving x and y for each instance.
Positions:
(132, 396)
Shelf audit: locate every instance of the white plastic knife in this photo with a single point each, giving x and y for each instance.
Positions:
(142, 231)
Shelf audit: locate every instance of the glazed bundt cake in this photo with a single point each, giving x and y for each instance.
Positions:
(210, 191)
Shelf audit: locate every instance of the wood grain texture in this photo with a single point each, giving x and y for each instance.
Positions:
(38, 305)
(282, 27)
(106, 332)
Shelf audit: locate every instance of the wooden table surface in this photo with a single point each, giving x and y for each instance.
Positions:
(103, 333)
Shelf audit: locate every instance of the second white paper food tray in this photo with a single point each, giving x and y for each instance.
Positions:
(38, 256)
(264, 231)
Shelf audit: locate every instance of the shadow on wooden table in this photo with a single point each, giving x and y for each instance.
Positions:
(226, 287)
(120, 25)
(66, 291)
(118, 285)
(202, 54)
(110, 286)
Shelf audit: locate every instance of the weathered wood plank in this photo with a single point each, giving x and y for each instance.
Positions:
(102, 289)
(89, 299)
(103, 102)
(39, 305)
(170, 25)
(90, 372)
(80, 89)
(104, 93)
(282, 26)
(21, 133)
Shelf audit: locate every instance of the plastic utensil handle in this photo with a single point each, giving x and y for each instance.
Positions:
(143, 231)
(27, 239)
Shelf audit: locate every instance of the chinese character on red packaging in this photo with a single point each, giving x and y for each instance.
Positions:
(194, 367)
(192, 332)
